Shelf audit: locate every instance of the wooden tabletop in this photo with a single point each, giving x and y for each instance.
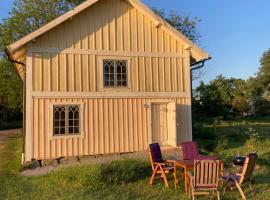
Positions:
(188, 163)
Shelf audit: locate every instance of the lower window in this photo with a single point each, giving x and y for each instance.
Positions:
(66, 120)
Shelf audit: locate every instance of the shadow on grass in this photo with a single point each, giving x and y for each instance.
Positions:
(121, 172)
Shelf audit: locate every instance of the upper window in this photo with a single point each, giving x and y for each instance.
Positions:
(66, 120)
(115, 73)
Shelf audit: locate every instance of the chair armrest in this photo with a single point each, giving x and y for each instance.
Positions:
(170, 161)
(156, 163)
(191, 177)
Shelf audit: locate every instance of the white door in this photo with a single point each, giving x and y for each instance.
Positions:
(159, 123)
(171, 117)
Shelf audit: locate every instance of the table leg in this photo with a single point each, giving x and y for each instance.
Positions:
(175, 177)
(186, 179)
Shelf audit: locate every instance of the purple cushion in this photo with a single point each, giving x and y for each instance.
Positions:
(156, 153)
(190, 150)
(231, 177)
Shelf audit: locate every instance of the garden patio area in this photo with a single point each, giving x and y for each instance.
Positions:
(128, 178)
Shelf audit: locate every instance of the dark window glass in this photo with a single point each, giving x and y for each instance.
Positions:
(66, 120)
(115, 73)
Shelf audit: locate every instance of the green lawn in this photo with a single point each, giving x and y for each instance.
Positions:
(127, 179)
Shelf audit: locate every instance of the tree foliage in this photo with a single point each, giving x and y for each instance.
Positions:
(25, 17)
(185, 24)
(260, 87)
(221, 97)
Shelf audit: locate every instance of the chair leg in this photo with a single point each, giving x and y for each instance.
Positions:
(163, 175)
(153, 175)
(241, 191)
(218, 197)
(250, 187)
(224, 188)
(193, 195)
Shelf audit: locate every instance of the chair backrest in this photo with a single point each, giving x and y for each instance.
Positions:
(189, 150)
(155, 153)
(248, 167)
(206, 173)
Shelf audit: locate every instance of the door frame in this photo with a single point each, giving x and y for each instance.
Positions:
(149, 106)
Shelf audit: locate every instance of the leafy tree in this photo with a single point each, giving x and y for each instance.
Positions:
(221, 97)
(261, 83)
(184, 24)
(25, 17)
(261, 106)
(241, 96)
(260, 87)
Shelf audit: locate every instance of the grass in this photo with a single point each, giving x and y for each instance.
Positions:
(129, 179)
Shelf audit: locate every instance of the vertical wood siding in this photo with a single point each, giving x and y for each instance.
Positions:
(80, 73)
(110, 126)
(108, 26)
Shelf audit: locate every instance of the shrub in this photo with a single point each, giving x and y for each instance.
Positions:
(254, 138)
(222, 145)
(205, 133)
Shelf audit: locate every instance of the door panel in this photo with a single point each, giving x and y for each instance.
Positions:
(159, 123)
(171, 116)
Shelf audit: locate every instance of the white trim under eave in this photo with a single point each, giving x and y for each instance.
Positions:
(110, 94)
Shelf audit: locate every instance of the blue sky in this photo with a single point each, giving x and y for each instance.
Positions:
(234, 32)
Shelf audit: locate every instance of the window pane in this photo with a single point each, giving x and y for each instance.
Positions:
(119, 83)
(124, 70)
(76, 123)
(59, 119)
(106, 77)
(56, 131)
(111, 77)
(111, 83)
(74, 119)
(62, 123)
(62, 131)
(71, 123)
(119, 77)
(119, 69)
(70, 130)
(107, 83)
(106, 69)
(56, 115)
(76, 130)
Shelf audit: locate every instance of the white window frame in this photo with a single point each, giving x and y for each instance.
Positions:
(81, 120)
(101, 75)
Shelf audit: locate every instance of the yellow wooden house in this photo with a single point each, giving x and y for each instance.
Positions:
(109, 76)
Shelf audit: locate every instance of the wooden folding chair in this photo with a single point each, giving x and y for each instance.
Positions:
(159, 166)
(245, 177)
(205, 177)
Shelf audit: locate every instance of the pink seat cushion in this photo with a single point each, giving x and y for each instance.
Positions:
(210, 186)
